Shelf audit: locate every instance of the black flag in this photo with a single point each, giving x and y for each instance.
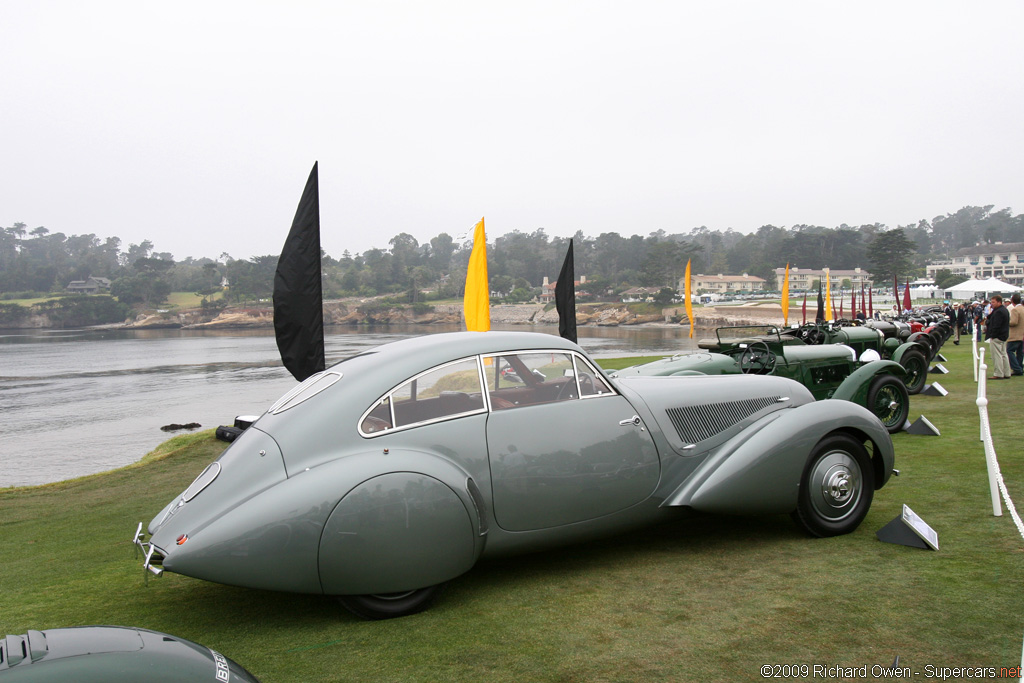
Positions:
(298, 295)
(565, 298)
(820, 315)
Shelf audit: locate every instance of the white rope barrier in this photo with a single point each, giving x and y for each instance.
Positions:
(995, 476)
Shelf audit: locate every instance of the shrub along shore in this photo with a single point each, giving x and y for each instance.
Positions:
(711, 598)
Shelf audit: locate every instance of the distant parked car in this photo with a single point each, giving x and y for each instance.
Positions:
(827, 370)
(396, 470)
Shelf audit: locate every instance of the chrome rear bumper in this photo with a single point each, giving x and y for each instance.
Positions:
(154, 556)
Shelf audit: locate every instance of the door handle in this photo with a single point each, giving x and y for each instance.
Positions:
(635, 421)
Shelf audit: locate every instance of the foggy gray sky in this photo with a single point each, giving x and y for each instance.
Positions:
(195, 124)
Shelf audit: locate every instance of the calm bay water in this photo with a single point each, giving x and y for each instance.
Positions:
(79, 402)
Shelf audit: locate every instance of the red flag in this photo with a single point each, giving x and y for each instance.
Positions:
(853, 304)
(863, 301)
(906, 297)
(871, 304)
(805, 309)
(841, 307)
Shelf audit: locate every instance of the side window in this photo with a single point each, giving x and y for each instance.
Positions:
(591, 383)
(524, 379)
(447, 391)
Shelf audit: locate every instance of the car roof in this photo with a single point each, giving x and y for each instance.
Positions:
(405, 357)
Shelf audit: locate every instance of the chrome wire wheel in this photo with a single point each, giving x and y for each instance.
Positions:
(889, 400)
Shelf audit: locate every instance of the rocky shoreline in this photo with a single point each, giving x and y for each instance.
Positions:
(365, 313)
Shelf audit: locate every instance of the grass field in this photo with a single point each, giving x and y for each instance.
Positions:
(709, 599)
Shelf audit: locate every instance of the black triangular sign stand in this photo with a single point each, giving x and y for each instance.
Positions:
(899, 533)
(934, 389)
(939, 369)
(924, 427)
(942, 359)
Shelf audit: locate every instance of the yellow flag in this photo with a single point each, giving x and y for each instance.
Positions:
(828, 294)
(686, 295)
(785, 298)
(476, 302)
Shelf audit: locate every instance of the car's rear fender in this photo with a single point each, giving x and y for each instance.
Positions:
(855, 387)
(419, 521)
(760, 471)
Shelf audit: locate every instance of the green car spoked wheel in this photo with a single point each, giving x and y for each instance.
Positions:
(837, 487)
(889, 401)
(917, 371)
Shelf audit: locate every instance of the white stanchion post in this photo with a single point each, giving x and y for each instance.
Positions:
(974, 350)
(990, 457)
(982, 388)
(986, 436)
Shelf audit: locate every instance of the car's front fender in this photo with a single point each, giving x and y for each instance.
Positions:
(855, 387)
(759, 471)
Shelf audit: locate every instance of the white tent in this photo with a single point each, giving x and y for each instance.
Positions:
(968, 290)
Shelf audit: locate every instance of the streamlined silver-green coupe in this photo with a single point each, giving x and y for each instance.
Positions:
(394, 471)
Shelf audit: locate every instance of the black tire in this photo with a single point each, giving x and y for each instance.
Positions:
(929, 341)
(914, 363)
(390, 605)
(889, 401)
(836, 488)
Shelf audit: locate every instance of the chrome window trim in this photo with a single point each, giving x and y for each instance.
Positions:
(285, 403)
(574, 354)
(391, 402)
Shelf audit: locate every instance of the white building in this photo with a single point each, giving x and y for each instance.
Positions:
(802, 279)
(980, 262)
(725, 283)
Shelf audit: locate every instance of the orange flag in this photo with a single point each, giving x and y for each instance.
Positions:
(686, 295)
(476, 302)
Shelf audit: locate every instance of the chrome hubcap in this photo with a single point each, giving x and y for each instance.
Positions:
(835, 485)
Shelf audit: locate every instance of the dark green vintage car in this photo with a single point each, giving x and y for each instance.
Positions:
(891, 341)
(828, 370)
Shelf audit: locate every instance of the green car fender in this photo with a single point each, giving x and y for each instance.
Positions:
(855, 387)
(419, 523)
(902, 350)
(761, 473)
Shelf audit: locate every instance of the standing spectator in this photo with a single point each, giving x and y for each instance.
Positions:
(961, 321)
(997, 331)
(978, 314)
(1015, 345)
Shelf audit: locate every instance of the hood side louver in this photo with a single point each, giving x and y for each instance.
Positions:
(697, 423)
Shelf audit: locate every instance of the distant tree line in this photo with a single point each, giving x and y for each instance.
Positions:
(41, 261)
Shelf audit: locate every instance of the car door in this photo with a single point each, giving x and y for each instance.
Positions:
(563, 446)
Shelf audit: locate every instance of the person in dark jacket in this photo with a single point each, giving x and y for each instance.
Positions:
(997, 331)
(961, 322)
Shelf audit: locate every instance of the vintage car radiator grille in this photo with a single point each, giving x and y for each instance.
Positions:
(697, 423)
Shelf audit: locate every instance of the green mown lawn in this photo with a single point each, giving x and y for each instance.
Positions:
(710, 599)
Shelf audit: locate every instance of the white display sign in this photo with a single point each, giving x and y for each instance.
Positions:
(920, 527)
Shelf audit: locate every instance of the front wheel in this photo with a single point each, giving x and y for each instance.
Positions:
(889, 401)
(390, 605)
(836, 488)
(917, 371)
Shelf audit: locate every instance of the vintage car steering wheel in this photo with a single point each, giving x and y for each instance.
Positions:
(757, 359)
(815, 336)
